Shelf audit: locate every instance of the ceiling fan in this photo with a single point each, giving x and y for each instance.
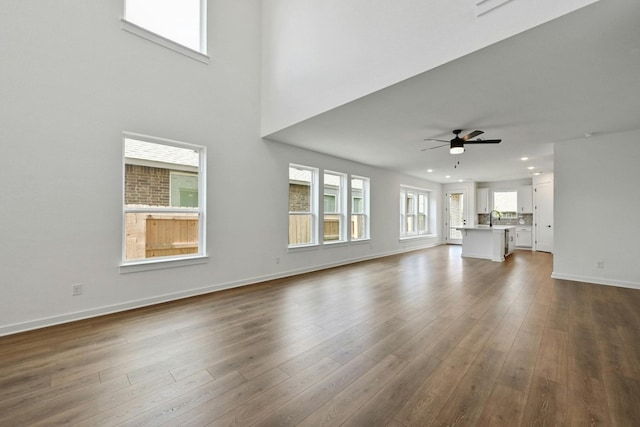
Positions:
(456, 145)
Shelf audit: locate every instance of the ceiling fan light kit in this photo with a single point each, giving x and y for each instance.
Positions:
(456, 145)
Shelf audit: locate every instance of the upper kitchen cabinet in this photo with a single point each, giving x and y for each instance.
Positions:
(482, 200)
(525, 199)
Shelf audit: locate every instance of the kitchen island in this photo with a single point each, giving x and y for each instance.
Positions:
(485, 242)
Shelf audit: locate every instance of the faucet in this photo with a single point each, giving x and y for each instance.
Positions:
(491, 217)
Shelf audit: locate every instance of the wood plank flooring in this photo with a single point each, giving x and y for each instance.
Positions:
(419, 339)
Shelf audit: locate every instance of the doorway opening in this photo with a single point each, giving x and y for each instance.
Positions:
(455, 217)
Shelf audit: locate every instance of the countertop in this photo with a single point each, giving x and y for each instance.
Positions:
(487, 228)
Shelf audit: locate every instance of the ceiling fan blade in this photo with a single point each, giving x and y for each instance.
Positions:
(433, 139)
(484, 141)
(437, 146)
(472, 135)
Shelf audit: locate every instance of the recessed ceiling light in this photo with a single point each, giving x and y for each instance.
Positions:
(531, 167)
(461, 180)
(538, 173)
(448, 176)
(429, 170)
(588, 134)
(524, 159)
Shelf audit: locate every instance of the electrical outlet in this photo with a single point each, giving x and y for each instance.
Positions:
(600, 264)
(76, 289)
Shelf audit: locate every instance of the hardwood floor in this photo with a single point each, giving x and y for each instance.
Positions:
(420, 339)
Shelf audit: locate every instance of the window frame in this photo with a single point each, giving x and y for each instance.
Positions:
(341, 206)
(162, 40)
(131, 265)
(313, 205)
(366, 207)
(416, 214)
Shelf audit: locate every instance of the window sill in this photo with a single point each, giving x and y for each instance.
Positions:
(301, 248)
(418, 236)
(313, 246)
(334, 243)
(158, 264)
(163, 41)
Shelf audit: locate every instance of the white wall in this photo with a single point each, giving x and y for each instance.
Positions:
(71, 82)
(318, 55)
(596, 209)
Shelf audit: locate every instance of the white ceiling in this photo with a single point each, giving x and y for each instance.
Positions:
(575, 75)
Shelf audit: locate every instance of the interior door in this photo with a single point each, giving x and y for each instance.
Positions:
(543, 195)
(456, 212)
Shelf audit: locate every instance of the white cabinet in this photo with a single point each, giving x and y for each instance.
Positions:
(488, 243)
(525, 199)
(482, 200)
(523, 237)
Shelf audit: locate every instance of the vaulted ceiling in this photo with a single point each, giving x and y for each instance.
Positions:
(576, 75)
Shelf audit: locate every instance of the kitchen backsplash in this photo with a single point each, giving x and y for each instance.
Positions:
(527, 218)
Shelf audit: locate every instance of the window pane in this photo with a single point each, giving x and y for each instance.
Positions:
(303, 209)
(333, 214)
(505, 201)
(148, 171)
(184, 190)
(411, 224)
(300, 190)
(357, 205)
(360, 208)
(358, 227)
(329, 203)
(422, 223)
(332, 188)
(151, 235)
(357, 195)
(332, 227)
(300, 229)
(177, 20)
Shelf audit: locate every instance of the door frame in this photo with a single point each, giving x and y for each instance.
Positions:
(546, 204)
(465, 212)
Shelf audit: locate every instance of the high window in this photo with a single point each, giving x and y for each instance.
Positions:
(303, 210)
(163, 200)
(334, 207)
(359, 208)
(414, 208)
(176, 24)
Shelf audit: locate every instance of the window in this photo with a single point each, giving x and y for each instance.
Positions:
(422, 213)
(302, 205)
(334, 212)
(414, 208)
(184, 190)
(359, 208)
(506, 202)
(176, 24)
(163, 207)
(304, 199)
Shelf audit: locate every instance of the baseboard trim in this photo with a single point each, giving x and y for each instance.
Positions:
(596, 280)
(117, 308)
